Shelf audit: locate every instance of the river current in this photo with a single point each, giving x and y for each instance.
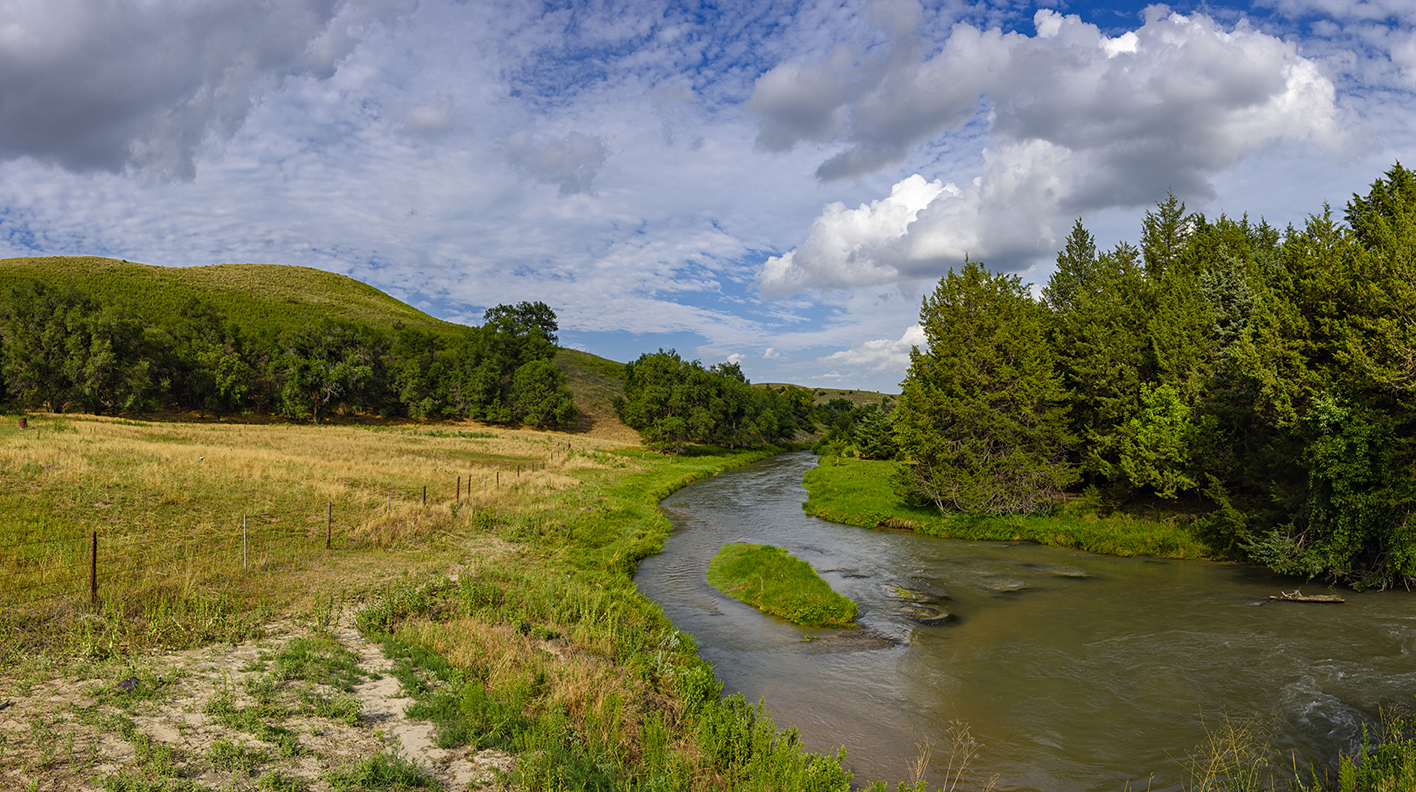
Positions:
(1073, 671)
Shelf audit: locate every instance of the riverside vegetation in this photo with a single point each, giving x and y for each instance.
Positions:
(776, 582)
(1258, 383)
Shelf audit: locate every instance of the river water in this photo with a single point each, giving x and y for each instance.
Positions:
(1074, 671)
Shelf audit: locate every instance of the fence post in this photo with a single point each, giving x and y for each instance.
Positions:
(459, 489)
(329, 522)
(93, 568)
(425, 494)
(245, 547)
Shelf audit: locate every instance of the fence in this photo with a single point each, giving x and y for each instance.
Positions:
(87, 566)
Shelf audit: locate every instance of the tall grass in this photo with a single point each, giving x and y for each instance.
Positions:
(859, 492)
(169, 500)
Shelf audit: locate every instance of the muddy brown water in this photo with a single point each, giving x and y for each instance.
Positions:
(1074, 671)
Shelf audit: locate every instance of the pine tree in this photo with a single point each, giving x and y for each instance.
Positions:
(982, 422)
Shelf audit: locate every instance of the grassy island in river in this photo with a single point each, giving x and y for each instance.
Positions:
(776, 582)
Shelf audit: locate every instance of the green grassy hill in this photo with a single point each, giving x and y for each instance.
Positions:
(262, 299)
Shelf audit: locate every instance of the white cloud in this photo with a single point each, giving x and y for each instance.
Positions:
(735, 357)
(882, 355)
(844, 246)
(1079, 122)
(771, 354)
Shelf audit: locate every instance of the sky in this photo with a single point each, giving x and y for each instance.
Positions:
(775, 184)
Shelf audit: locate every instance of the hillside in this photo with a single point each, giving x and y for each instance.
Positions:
(856, 397)
(262, 299)
(266, 299)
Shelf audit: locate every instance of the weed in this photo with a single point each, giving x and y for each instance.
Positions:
(228, 755)
(274, 781)
(383, 771)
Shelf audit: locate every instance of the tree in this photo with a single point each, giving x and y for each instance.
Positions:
(1076, 271)
(325, 366)
(874, 434)
(1104, 355)
(982, 422)
(539, 396)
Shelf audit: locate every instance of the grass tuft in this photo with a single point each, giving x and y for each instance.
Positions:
(775, 582)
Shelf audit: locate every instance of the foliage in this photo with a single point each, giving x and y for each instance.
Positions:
(775, 582)
(61, 348)
(1267, 377)
(673, 402)
(874, 434)
(540, 397)
(982, 423)
(859, 492)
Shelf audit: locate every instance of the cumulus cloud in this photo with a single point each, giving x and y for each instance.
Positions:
(570, 162)
(882, 354)
(105, 85)
(1078, 122)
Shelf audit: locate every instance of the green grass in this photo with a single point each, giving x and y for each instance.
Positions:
(262, 299)
(859, 492)
(775, 582)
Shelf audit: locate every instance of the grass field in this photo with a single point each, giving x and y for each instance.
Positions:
(262, 299)
(859, 492)
(776, 582)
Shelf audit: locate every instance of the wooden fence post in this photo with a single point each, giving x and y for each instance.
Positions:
(459, 489)
(425, 494)
(93, 568)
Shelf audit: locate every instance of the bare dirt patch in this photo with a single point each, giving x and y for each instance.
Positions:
(283, 712)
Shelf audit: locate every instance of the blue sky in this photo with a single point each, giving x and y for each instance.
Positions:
(772, 183)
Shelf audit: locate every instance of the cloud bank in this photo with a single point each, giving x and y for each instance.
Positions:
(1077, 122)
(107, 85)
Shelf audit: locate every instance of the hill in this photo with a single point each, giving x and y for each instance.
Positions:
(855, 397)
(262, 299)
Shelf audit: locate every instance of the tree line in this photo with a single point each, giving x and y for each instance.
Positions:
(1267, 378)
(61, 349)
(673, 402)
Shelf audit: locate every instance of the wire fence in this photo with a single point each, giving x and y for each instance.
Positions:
(87, 566)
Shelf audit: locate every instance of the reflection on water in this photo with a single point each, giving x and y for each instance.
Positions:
(1076, 672)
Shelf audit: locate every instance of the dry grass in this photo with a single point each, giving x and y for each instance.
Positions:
(168, 501)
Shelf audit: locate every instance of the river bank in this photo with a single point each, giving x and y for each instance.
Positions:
(859, 492)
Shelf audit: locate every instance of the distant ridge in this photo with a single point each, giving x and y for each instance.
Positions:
(262, 299)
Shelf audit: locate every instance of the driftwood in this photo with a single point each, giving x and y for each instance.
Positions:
(1297, 596)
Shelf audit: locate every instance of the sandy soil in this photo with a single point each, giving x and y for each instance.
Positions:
(68, 733)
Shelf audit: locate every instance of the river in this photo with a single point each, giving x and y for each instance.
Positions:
(1073, 671)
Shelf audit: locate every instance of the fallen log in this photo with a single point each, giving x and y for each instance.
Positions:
(1298, 596)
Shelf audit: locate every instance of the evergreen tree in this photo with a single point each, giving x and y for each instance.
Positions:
(982, 422)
